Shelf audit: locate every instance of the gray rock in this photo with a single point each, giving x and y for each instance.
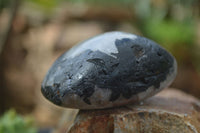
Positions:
(109, 70)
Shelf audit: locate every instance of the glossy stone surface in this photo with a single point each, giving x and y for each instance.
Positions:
(109, 70)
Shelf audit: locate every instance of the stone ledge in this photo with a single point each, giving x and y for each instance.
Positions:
(170, 111)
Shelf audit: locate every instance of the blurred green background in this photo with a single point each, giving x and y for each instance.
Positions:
(33, 33)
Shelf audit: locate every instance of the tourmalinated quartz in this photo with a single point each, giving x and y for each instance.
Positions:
(109, 70)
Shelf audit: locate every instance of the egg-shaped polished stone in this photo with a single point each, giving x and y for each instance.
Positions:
(108, 70)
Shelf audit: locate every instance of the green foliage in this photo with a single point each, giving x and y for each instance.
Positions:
(169, 32)
(4, 3)
(103, 2)
(44, 5)
(10, 122)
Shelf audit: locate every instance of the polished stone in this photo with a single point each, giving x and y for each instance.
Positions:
(109, 70)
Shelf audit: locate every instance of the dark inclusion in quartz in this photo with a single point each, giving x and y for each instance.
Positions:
(129, 67)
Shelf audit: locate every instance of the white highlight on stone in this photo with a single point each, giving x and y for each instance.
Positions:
(104, 43)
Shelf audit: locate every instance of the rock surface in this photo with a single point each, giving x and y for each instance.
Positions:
(170, 111)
